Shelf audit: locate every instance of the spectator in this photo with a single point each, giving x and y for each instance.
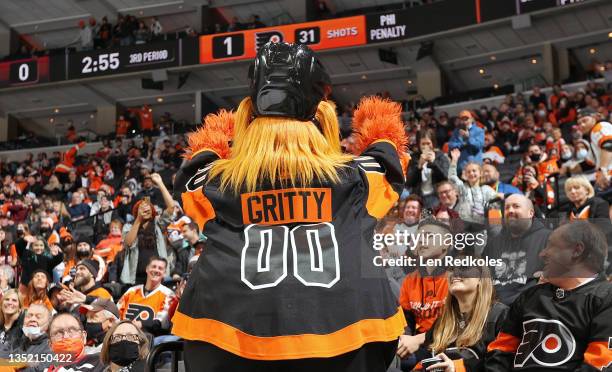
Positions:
(83, 251)
(35, 340)
(447, 194)
(146, 238)
(156, 29)
(123, 126)
(537, 97)
(490, 176)
(53, 188)
(151, 192)
(148, 305)
(255, 22)
(473, 198)
(125, 347)
(192, 245)
(468, 138)
(84, 39)
(101, 315)
(600, 137)
(534, 177)
(430, 169)
(142, 34)
(125, 204)
(85, 289)
(423, 292)
(574, 303)
(112, 244)
(235, 25)
(11, 318)
(19, 211)
(67, 337)
(36, 291)
(36, 259)
(518, 244)
(471, 319)
(78, 209)
(145, 117)
(105, 33)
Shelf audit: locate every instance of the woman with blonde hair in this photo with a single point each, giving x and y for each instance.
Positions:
(11, 317)
(471, 319)
(125, 348)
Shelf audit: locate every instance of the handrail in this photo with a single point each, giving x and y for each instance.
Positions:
(175, 347)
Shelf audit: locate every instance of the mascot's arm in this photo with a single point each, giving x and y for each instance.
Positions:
(379, 134)
(207, 144)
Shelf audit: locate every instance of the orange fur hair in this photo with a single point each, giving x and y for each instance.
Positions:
(377, 119)
(215, 135)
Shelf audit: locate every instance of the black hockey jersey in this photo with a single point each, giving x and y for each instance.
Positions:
(549, 329)
(288, 273)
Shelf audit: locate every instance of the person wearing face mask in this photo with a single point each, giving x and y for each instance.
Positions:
(85, 289)
(46, 231)
(468, 137)
(83, 252)
(125, 348)
(101, 315)
(34, 341)
(544, 167)
(67, 338)
(33, 255)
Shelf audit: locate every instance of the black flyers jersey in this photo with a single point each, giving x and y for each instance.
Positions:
(549, 329)
(287, 273)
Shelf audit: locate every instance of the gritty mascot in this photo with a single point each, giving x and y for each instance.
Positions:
(281, 285)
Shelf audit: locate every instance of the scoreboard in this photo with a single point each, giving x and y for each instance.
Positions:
(329, 34)
(23, 72)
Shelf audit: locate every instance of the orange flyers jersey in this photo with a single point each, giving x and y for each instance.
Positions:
(288, 272)
(134, 305)
(424, 296)
(600, 134)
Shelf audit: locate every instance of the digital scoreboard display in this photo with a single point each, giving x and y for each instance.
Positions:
(328, 34)
(24, 72)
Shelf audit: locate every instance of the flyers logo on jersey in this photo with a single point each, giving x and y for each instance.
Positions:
(139, 312)
(546, 343)
(197, 181)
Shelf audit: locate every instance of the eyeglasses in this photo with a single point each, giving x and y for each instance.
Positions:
(117, 338)
(444, 192)
(59, 334)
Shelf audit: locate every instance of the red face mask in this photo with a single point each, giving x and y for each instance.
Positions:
(73, 346)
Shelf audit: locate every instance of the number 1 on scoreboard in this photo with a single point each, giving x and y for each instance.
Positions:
(226, 46)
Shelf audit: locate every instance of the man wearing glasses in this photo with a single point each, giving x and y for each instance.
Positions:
(469, 139)
(67, 338)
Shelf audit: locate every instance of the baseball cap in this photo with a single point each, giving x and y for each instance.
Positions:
(100, 304)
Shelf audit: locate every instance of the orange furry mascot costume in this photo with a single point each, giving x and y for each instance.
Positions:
(287, 281)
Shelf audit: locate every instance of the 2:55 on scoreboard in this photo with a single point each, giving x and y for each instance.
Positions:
(103, 63)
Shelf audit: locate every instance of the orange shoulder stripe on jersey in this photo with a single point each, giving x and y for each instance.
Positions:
(240, 343)
(381, 195)
(598, 354)
(198, 207)
(604, 139)
(504, 342)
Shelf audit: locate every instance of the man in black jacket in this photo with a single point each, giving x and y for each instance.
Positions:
(518, 245)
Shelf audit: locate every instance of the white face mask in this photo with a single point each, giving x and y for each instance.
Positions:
(32, 332)
(581, 154)
(566, 155)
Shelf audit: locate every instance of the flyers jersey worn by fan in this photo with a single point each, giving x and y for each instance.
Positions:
(600, 137)
(135, 305)
(549, 329)
(282, 275)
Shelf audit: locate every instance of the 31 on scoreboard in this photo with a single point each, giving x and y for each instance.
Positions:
(328, 34)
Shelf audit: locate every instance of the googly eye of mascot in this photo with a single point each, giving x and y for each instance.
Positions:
(287, 281)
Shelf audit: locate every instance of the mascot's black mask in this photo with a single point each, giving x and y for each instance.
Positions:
(288, 80)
